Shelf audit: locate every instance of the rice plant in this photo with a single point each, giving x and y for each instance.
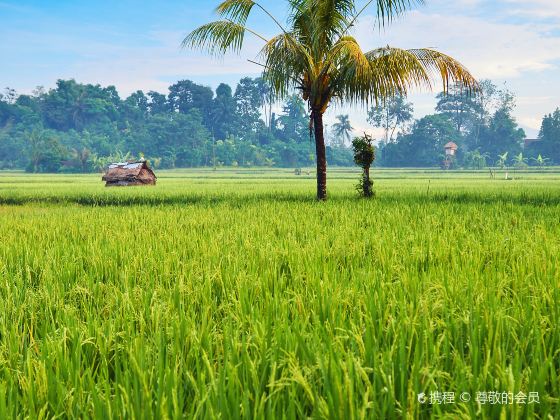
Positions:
(234, 294)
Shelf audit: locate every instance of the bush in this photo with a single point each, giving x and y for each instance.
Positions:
(364, 156)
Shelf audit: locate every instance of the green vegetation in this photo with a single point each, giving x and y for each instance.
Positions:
(550, 138)
(364, 156)
(80, 128)
(315, 52)
(482, 125)
(232, 293)
(47, 132)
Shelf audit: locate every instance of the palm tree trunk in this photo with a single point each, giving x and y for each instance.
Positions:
(321, 155)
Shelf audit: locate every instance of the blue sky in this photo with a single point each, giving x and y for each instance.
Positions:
(134, 44)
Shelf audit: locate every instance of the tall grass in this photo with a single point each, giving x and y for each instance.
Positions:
(238, 296)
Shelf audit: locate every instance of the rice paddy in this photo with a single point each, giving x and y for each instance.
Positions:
(234, 294)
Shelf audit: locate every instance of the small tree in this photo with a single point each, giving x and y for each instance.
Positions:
(364, 155)
(540, 161)
(476, 160)
(520, 162)
(502, 161)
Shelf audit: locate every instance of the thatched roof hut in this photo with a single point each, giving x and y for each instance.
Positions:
(125, 174)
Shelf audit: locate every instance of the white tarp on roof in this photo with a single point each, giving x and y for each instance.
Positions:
(126, 165)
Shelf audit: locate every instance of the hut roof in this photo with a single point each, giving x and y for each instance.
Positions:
(126, 170)
(528, 142)
(451, 145)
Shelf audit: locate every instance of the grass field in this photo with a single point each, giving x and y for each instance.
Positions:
(234, 294)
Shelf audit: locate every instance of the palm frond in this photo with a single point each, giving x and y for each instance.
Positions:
(394, 71)
(331, 18)
(317, 55)
(285, 62)
(218, 37)
(387, 10)
(299, 20)
(449, 69)
(347, 52)
(418, 67)
(235, 10)
(352, 76)
(239, 10)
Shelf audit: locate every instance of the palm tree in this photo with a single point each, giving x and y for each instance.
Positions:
(36, 141)
(391, 114)
(343, 129)
(82, 156)
(266, 101)
(315, 53)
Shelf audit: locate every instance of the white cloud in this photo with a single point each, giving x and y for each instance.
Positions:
(533, 123)
(487, 43)
(155, 67)
(543, 9)
(522, 54)
(488, 49)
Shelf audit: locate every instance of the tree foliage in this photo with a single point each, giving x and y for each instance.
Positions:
(549, 136)
(481, 123)
(76, 128)
(364, 155)
(342, 130)
(392, 115)
(315, 53)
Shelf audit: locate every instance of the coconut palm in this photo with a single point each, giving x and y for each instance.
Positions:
(82, 156)
(316, 53)
(343, 129)
(37, 140)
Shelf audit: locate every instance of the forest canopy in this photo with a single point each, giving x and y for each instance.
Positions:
(78, 127)
(81, 127)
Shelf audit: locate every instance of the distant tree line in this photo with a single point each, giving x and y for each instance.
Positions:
(81, 127)
(481, 124)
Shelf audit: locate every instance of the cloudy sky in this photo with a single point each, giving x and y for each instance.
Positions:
(135, 44)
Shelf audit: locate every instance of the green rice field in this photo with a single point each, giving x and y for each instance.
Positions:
(234, 294)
